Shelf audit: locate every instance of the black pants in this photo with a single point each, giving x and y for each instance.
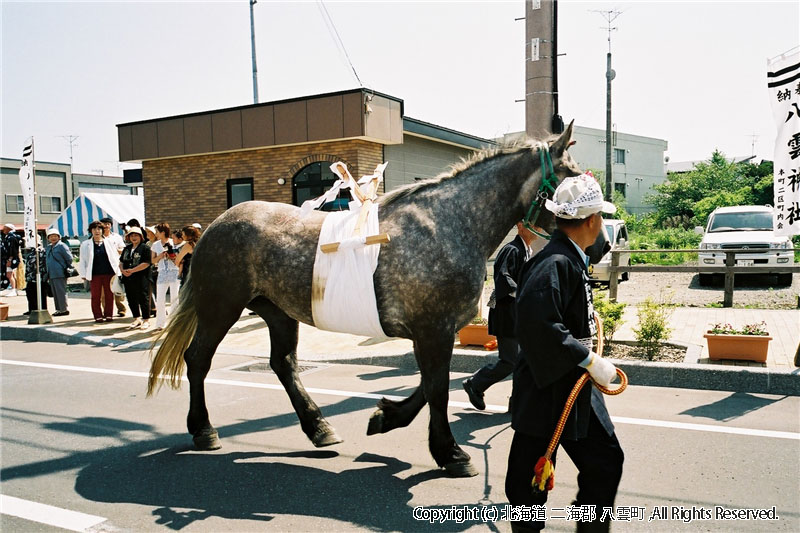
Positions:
(508, 351)
(137, 289)
(598, 458)
(30, 293)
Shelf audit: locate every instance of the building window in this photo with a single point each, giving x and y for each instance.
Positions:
(313, 181)
(239, 190)
(50, 204)
(620, 188)
(619, 156)
(15, 203)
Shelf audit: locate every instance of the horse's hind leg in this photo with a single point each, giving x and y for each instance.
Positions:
(283, 361)
(433, 351)
(198, 362)
(392, 415)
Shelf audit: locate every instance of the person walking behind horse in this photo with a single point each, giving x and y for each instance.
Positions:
(119, 242)
(98, 263)
(555, 325)
(502, 316)
(29, 256)
(184, 258)
(135, 267)
(163, 254)
(59, 259)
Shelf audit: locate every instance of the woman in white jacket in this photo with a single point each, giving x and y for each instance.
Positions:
(99, 262)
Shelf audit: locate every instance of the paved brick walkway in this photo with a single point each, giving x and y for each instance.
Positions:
(690, 323)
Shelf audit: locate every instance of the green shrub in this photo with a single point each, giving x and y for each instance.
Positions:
(668, 238)
(610, 312)
(653, 318)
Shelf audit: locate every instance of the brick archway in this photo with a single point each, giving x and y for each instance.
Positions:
(315, 158)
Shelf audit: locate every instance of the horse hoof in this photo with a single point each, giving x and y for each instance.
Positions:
(375, 423)
(460, 469)
(207, 440)
(325, 437)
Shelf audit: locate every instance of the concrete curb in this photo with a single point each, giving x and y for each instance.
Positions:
(654, 374)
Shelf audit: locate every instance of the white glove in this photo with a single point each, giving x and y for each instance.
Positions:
(602, 372)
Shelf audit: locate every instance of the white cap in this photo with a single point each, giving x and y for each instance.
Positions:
(136, 230)
(197, 225)
(52, 231)
(151, 229)
(10, 226)
(578, 197)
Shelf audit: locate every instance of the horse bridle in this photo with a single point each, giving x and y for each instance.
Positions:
(546, 187)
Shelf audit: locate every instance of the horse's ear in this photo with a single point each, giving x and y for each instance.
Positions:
(563, 142)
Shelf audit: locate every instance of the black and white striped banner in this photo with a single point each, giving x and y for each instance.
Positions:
(783, 81)
(26, 175)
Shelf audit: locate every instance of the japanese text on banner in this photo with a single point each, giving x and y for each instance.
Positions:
(783, 81)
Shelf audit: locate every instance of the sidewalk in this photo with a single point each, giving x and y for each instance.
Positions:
(250, 337)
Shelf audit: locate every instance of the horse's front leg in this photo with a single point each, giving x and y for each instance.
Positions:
(392, 415)
(433, 351)
(283, 332)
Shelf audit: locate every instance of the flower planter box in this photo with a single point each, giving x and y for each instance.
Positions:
(474, 335)
(3, 311)
(740, 347)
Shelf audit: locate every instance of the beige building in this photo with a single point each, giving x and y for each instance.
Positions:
(196, 166)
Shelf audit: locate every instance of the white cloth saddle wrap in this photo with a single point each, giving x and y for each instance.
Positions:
(342, 291)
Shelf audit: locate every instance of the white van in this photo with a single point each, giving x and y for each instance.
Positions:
(744, 226)
(618, 237)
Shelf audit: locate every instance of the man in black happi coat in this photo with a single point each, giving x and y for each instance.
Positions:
(502, 314)
(554, 328)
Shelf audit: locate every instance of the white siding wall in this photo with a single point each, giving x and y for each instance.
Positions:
(420, 158)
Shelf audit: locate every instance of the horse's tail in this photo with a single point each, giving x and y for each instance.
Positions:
(168, 359)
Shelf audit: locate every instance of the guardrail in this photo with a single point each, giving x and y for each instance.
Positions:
(730, 269)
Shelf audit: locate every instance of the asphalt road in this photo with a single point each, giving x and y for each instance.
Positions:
(79, 435)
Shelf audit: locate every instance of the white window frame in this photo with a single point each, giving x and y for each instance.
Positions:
(21, 201)
(50, 209)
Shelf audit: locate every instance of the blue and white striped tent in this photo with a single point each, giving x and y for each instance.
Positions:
(87, 207)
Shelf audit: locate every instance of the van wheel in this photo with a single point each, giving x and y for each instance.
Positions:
(785, 279)
(706, 279)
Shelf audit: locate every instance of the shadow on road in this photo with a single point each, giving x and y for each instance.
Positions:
(734, 406)
(185, 486)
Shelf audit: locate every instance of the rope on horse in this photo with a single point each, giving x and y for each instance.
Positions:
(544, 471)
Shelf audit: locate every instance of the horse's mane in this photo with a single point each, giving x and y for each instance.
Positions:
(455, 169)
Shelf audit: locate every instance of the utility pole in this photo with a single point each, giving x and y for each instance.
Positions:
(610, 75)
(253, 51)
(541, 74)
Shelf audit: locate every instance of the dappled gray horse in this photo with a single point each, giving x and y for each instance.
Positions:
(260, 256)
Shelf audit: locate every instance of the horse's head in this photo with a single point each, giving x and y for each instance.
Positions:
(563, 167)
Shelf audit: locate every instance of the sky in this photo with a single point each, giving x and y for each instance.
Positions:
(691, 73)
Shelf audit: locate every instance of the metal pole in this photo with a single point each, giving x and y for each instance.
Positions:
(253, 51)
(609, 77)
(38, 316)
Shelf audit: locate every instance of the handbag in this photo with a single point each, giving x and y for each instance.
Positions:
(116, 286)
(70, 271)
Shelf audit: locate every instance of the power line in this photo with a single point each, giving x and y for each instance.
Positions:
(335, 35)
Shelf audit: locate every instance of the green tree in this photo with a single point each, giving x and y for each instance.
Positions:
(687, 198)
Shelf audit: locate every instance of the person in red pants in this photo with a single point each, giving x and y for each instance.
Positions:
(99, 262)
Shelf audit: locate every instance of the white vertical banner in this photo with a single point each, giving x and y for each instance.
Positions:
(26, 176)
(783, 81)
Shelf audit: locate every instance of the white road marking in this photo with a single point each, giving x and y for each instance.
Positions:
(368, 395)
(47, 514)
